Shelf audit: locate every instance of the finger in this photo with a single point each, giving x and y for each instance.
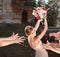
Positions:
(19, 43)
(47, 41)
(22, 37)
(13, 33)
(16, 34)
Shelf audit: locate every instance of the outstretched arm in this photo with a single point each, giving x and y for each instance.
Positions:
(55, 47)
(57, 50)
(12, 37)
(37, 25)
(9, 42)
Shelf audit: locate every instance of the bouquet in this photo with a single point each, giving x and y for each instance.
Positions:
(40, 13)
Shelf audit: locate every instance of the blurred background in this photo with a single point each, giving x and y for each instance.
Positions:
(16, 14)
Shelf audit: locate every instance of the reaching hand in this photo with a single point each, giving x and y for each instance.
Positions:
(53, 45)
(14, 36)
(47, 46)
(20, 40)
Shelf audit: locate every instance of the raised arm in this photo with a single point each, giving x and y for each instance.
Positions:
(40, 36)
(37, 25)
(38, 20)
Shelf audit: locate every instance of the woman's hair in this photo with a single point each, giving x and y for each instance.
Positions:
(28, 30)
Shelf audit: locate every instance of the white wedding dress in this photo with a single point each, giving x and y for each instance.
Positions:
(40, 51)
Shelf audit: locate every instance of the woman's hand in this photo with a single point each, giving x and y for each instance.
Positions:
(19, 40)
(47, 45)
(14, 36)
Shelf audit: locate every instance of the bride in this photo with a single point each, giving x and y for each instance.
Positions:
(35, 41)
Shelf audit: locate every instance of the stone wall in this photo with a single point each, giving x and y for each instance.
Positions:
(12, 13)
